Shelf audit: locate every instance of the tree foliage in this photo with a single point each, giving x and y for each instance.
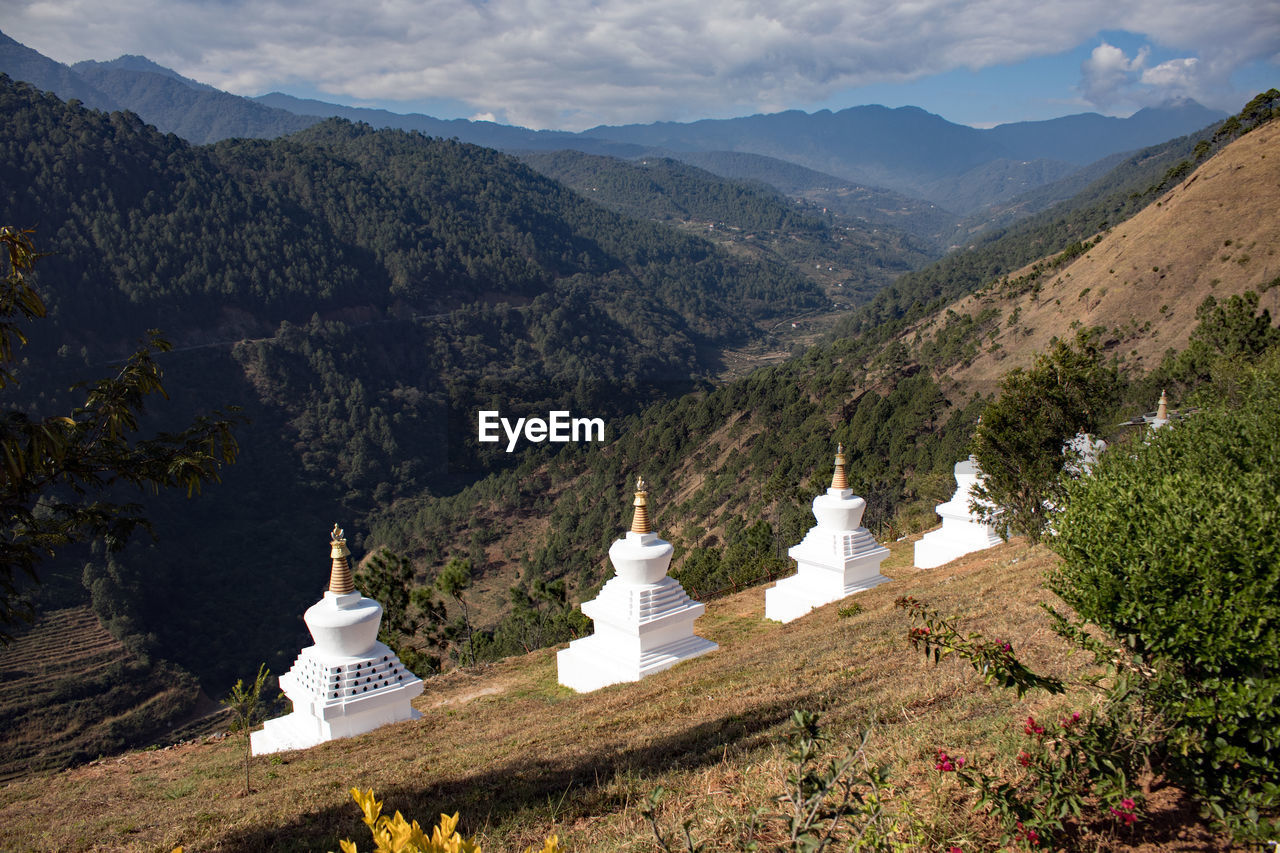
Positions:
(1173, 547)
(62, 474)
(413, 621)
(1019, 444)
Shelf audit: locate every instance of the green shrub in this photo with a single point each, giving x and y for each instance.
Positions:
(1173, 548)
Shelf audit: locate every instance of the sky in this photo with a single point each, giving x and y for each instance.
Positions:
(574, 64)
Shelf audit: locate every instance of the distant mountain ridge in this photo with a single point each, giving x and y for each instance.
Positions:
(913, 151)
(22, 63)
(905, 149)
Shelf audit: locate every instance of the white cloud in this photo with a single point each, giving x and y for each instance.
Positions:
(1107, 73)
(574, 63)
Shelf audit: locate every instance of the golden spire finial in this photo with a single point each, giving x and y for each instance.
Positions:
(640, 521)
(340, 580)
(1162, 410)
(838, 479)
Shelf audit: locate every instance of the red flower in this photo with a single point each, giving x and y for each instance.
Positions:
(1126, 811)
(1031, 836)
(1031, 728)
(1024, 757)
(945, 764)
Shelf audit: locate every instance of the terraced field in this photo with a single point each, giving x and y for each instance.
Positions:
(70, 692)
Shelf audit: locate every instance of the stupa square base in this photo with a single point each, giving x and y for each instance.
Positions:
(303, 729)
(593, 662)
(797, 595)
(939, 547)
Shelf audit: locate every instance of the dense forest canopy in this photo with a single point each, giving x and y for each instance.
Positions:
(360, 294)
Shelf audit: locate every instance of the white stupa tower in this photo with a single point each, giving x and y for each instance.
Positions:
(962, 532)
(837, 558)
(347, 683)
(643, 618)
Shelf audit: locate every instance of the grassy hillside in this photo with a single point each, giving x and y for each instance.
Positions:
(1214, 233)
(521, 757)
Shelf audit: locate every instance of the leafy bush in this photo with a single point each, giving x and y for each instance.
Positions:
(1173, 548)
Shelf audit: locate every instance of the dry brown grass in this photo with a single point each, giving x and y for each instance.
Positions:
(522, 757)
(1215, 233)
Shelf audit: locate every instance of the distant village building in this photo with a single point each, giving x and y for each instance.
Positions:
(837, 558)
(643, 618)
(348, 683)
(962, 531)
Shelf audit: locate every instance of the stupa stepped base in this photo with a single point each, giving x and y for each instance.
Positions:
(300, 731)
(336, 697)
(797, 595)
(952, 541)
(641, 604)
(594, 662)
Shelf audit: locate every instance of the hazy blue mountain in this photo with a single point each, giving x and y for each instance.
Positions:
(196, 112)
(22, 63)
(133, 62)
(916, 152)
(905, 149)
(487, 133)
(1005, 212)
(1087, 137)
(996, 182)
(870, 144)
(875, 206)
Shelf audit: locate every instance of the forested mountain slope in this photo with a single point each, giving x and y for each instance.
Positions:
(175, 104)
(859, 259)
(360, 294)
(864, 205)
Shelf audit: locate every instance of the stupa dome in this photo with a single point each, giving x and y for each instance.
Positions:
(343, 623)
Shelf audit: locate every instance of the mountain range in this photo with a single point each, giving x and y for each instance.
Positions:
(907, 149)
(361, 293)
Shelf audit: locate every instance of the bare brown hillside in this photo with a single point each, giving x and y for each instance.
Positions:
(1215, 233)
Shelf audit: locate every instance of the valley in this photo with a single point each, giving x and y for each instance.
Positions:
(729, 307)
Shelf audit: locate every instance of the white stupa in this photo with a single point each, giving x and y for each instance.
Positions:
(1082, 452)
(348, 683)
(962, 532)
(643, 618)
(837, 558)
